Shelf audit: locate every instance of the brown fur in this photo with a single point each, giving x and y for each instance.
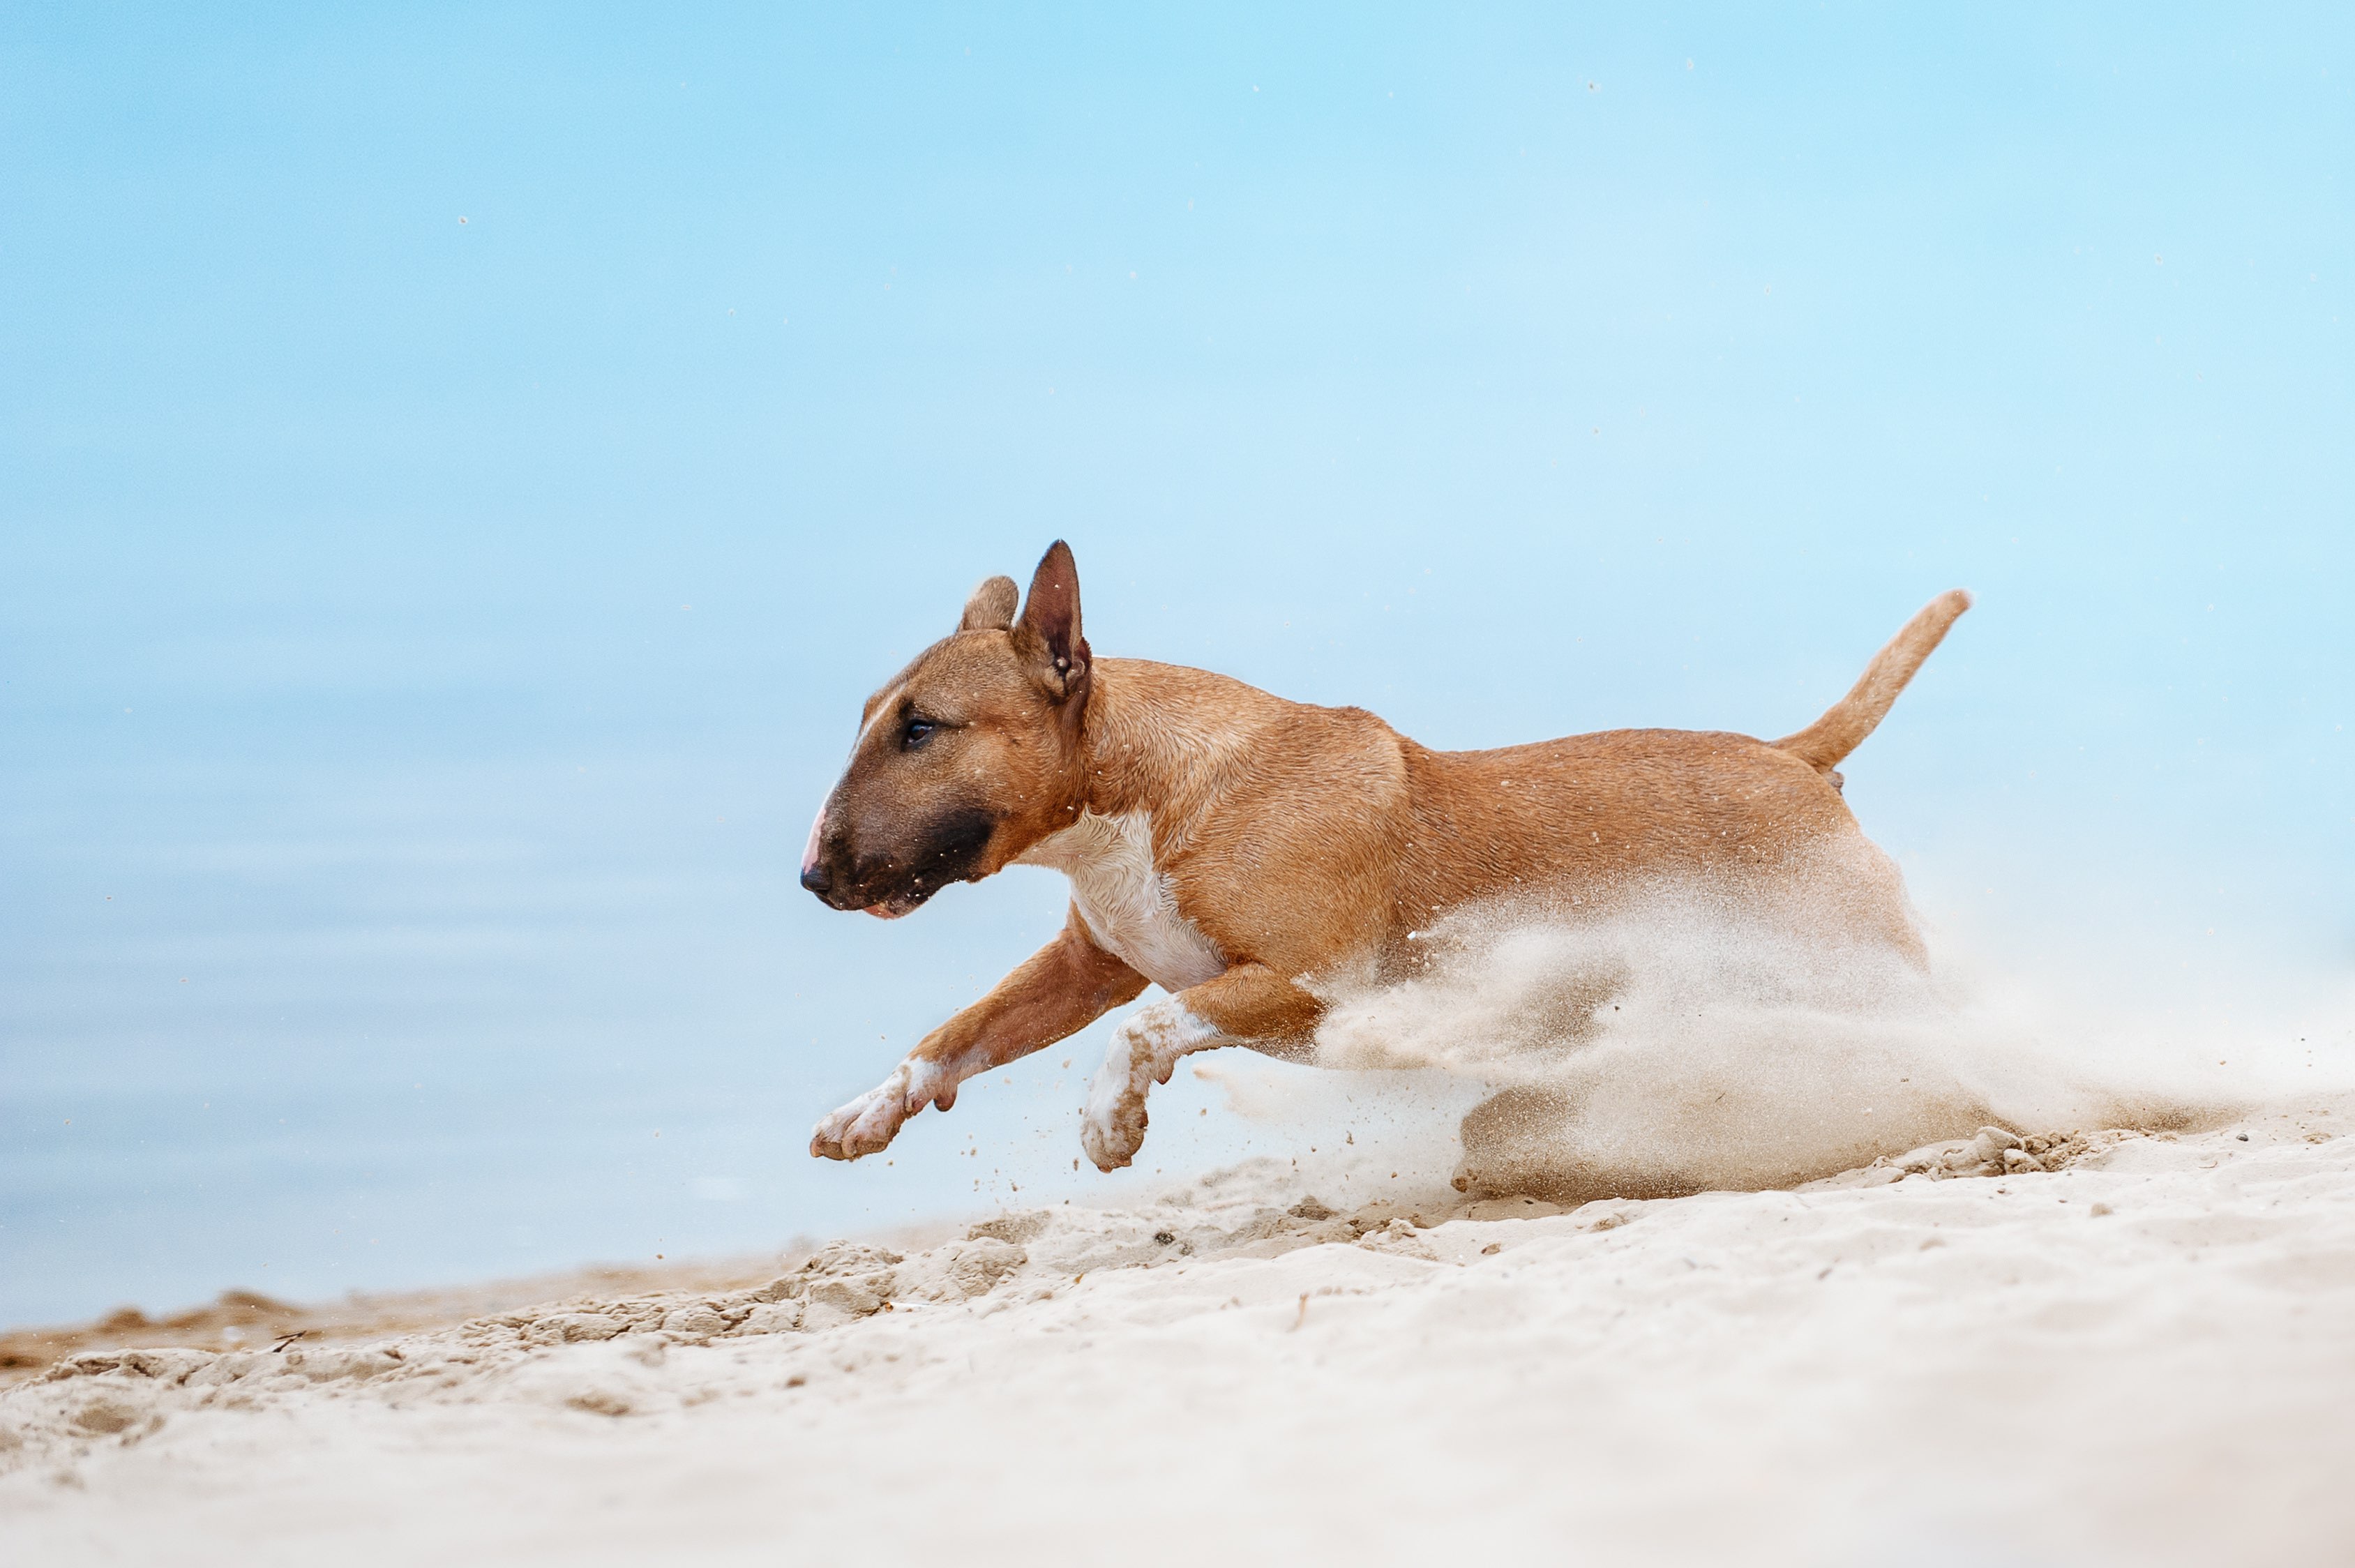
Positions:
(1301, 840)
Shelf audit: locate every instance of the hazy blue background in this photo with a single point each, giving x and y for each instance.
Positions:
(462, 470)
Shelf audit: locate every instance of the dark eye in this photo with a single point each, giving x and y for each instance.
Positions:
(917, 732)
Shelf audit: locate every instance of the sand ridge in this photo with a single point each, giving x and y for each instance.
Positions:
(247, 1319)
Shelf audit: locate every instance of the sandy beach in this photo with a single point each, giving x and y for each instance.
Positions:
(2140, 1356)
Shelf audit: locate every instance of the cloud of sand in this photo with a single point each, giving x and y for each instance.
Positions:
(1683, 1039)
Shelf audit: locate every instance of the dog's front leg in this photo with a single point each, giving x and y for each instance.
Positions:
(1251, 1004)
(1058, 990)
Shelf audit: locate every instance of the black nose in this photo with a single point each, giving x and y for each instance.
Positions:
(816, 880)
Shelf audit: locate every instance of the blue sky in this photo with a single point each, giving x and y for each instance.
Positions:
(462, 468)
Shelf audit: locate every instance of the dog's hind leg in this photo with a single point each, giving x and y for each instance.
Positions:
(1251, 1004)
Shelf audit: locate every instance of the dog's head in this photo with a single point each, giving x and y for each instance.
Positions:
(965, 758)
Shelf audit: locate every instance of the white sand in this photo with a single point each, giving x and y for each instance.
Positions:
(1988, 1370)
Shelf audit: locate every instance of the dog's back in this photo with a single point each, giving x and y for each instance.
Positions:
(1589, 820)
(1615, 803)
(1613, 810)
(1377, 837)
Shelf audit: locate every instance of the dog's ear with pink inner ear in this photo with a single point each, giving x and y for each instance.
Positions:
(1048, 636)
(991, 608)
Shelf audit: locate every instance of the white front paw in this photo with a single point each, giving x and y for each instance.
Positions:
(870, 1121)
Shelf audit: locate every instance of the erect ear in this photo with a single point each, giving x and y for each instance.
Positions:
(991, 608)
(1048, 636)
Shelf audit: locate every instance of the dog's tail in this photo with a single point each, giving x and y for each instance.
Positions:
(1847, 722)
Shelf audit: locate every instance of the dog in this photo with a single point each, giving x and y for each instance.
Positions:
(1231, 847)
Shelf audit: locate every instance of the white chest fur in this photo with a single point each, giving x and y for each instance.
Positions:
(1126, 900)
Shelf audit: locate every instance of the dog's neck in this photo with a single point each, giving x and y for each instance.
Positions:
(1156, 738)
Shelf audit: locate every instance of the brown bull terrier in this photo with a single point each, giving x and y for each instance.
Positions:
(1233, 847)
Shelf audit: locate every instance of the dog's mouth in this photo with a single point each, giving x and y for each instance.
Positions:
(882, 905)
(899, 904)
(898, 881)
(886, 897)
